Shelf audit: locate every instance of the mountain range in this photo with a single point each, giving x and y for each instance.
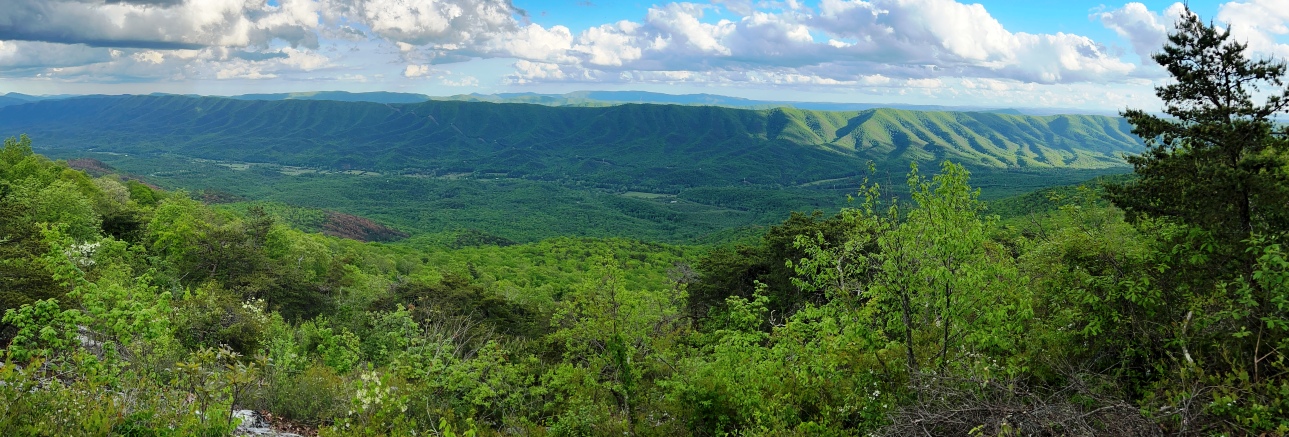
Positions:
(612, 98)
(638, 146)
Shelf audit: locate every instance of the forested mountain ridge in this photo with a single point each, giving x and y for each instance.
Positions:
(659, 147)
(8, 101)
(613, 98)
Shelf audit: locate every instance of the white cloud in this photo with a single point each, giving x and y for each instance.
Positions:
(959, 40)
(931, 45)
(417, 71)
(178, 24)
(915, 39)
(213, 63)
(923, 83)
(904, 30)
(304, 60)
(537, 43)
(149, 57)
(24, 55)
(1258, 22)
(609, 45)
(242, 71)
(442, 23)
(680, 25)
(463, 81)
(530, 72)
(1145, 30)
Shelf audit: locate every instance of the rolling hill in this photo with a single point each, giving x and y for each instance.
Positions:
(639, 147)
(526, 172)
(614, 98)
(9, 101)
(610, 98)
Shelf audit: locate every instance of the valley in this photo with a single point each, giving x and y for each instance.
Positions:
(446, 167)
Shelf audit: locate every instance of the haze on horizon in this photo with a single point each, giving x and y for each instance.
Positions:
(997, 53)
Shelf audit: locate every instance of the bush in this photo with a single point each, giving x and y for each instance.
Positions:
(212, 316)
(311, 397)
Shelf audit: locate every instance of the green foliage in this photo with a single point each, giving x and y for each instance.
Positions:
(24, 278)
(38, 404)
(376, 410)
(492, 383)
(313, 396)
(1218, 162)
(338, 348)
(1211, 185)
(609, 332)
(525, 173)
(735, 271)
(60, 202)
(217, 379)
(210, 316)
(42, 329)
(649, 148)
(940, 280)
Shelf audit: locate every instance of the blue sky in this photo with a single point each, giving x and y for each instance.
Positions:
(999, 53)
(1033, 16)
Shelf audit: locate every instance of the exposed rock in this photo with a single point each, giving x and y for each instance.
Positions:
(253, 424)
(359, 228)
(92, 166)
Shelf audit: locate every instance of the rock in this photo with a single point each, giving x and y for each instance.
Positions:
(253, 424)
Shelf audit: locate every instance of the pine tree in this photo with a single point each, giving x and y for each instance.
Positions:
(1217, 162)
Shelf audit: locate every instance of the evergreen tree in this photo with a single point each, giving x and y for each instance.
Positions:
(1216, 161)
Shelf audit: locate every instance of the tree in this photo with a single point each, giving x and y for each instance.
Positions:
(1216, 162)
(945, 288)
(1211, 185)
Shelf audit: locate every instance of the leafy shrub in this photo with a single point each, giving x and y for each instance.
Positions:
(314, 396)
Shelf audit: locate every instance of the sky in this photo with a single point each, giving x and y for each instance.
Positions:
(995, 53)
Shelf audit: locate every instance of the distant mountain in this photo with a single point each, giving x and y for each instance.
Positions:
(340, 96)
(8, 99)
(609, 98)
(20, 96)
(645, 147)
(5, 100)
(613, 98)
(31, 98)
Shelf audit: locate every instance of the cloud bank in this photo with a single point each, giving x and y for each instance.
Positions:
(903, 44)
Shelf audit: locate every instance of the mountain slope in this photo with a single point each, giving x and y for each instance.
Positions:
(611, 98)
(10, 101)
(648, 147)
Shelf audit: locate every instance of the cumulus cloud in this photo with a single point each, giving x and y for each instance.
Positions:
(147, 65)
(914, 39)
(417, 71)
(463, 81)
(909, 39)
(1145, 30)
(448, 24)
(859, 44)
(170, 24)
(1258, 22)
(21, 55)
